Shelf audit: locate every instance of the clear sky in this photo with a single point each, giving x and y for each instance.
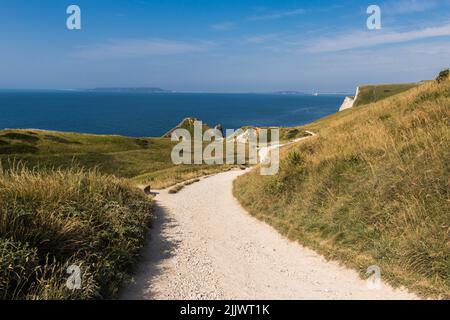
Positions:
(221, 46)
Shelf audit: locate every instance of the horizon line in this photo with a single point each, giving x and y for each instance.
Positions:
(168, 91)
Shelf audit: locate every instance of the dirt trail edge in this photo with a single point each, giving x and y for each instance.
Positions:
(204, 245)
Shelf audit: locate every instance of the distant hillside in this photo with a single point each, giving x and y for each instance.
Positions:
(131, 90)
(288, 92)
(373, 93)
(371, 189)
(145, 160)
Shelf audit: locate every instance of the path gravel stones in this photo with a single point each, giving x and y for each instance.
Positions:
(204, 245)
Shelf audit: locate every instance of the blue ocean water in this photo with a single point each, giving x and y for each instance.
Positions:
(151, 115)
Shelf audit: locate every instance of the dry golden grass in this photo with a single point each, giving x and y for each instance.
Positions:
(372, 188)
(374, 93)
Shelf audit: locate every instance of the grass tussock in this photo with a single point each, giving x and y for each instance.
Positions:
(51, 220)
(188, 183)
(372, 188)
(176, 189)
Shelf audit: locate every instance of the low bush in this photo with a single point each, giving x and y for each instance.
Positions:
(443, 75)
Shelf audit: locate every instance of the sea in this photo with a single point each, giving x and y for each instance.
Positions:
(153, 114)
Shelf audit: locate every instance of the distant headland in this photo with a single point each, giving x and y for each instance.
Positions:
(128, 90)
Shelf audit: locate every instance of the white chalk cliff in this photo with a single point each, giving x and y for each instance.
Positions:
(349, 101)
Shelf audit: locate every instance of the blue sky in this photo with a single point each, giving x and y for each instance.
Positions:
(221, 46)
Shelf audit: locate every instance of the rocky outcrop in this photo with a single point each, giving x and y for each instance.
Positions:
(188, 124)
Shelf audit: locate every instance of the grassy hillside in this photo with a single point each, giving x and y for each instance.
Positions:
(146, 159)
(371, 189)
(374, 93)
(50, 221)
(64, 201)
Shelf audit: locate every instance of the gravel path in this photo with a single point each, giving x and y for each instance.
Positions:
(264, 152)
(204, 245)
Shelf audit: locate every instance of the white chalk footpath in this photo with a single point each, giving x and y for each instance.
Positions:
(204, 245)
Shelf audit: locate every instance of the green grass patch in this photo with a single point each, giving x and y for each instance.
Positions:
(374, 93)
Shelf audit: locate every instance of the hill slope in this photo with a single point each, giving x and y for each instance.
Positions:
(187, 124)
(371, 189)
(146, 160)
(374, 93)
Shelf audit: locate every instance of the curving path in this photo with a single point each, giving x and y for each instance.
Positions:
(204, 245)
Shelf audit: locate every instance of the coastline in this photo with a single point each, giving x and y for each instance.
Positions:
(153, 115)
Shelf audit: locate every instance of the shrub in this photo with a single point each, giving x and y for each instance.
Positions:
(294, 158)
(372, 188)
(443, 75)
